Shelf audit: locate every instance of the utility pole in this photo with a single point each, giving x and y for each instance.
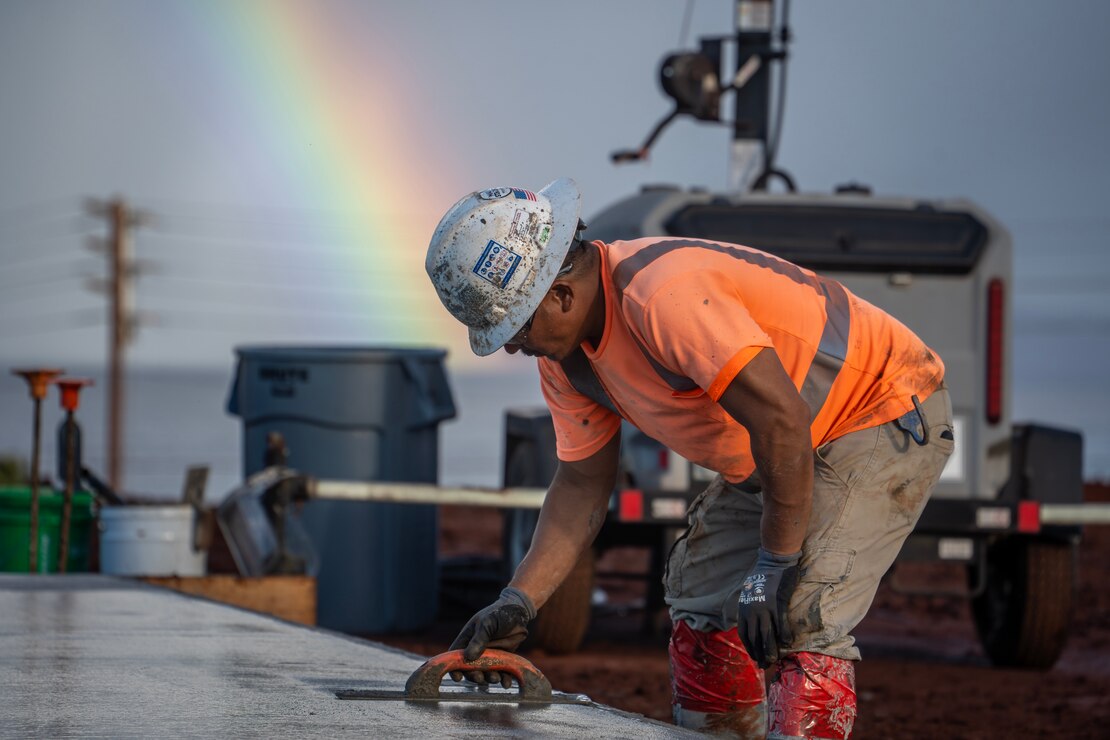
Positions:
(121, 318)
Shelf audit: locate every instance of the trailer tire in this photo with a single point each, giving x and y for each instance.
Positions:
(1023, 614)
(522, 469)
(561, 625)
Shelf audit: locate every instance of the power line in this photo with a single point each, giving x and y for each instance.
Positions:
(231, 305)
(235, 304)
(269, 214)
(29, 251)
(220, 321)
(35, 208)
(271, 258)
(281, 226)
(350, 222)
(76, 224)
(70, 320)
(269, 315)
(25, 280)
(297, 287)
(256, 265)
(289, 246)
(10, 299)
(55, 256)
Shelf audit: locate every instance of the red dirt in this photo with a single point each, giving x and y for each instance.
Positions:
(923, 675)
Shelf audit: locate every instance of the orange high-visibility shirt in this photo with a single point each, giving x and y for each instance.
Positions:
(684, 316)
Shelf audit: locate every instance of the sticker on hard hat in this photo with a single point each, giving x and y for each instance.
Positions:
(494, 193)
(497, 264)
(523, 194)
(524, 225)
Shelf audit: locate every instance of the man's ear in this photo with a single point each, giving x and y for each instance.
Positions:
(564, 293)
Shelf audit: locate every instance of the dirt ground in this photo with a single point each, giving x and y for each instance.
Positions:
(923, 674)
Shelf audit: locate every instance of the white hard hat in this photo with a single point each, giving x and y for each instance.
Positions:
(495, 254)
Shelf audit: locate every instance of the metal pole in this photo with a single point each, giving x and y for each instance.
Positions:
(37, 380)
(420, 493)
(32, 555)
(754, 20)
(71, 475)
(1085, 513)
(70, 389)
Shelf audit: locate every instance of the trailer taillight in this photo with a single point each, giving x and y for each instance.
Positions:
(995, 307)
(631, 505)
(1029, 517)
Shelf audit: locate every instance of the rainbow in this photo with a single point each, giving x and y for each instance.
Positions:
(331, 105)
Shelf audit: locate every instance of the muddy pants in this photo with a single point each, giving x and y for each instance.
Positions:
(869, 489)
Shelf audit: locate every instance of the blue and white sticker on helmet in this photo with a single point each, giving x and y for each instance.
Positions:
(494, 193)
(497, 264)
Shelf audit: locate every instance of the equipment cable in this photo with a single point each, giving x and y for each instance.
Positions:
(686, 16)
(780, 103)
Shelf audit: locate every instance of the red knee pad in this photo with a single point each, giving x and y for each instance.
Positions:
(711, 671)
(814, 696)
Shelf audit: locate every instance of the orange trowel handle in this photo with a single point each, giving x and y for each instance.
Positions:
(425, 680)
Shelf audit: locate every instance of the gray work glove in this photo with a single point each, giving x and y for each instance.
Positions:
(764, 597)
(501, 625)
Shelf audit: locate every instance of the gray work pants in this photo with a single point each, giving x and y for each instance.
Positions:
(869, 488)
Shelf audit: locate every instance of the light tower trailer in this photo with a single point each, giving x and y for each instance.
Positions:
(1008, 505)
(944, 269)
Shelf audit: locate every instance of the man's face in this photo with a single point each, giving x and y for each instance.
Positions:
(552, 333)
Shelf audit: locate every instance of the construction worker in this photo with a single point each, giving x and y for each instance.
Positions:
(826, 419)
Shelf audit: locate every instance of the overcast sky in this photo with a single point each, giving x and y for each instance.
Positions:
(295, 156)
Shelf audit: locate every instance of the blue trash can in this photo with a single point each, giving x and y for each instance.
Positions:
(356, 413)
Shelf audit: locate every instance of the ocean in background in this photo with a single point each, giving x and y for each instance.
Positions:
(178, 418)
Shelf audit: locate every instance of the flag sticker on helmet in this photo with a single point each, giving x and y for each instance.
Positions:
(497, 264)
(523, 194)
(494, 193)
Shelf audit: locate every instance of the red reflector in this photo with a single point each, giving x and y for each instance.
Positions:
(631, 507)
(1029, 516)
(995, 308)
(664, 458)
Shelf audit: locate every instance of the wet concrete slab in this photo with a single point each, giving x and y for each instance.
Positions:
(96, 656)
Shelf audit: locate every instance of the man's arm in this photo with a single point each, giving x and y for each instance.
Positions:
(764, 400)
(573, 512)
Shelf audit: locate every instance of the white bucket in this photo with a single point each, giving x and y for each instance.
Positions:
(149, 541)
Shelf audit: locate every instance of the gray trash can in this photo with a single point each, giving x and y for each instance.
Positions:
(356, 413)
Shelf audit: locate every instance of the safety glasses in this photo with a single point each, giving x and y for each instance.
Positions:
(522, 334)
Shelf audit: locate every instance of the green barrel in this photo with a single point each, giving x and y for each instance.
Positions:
(15, 529)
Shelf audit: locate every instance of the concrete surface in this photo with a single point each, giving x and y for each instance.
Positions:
(96, 656)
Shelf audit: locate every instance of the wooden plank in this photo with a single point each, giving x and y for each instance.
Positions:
(292, 598)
